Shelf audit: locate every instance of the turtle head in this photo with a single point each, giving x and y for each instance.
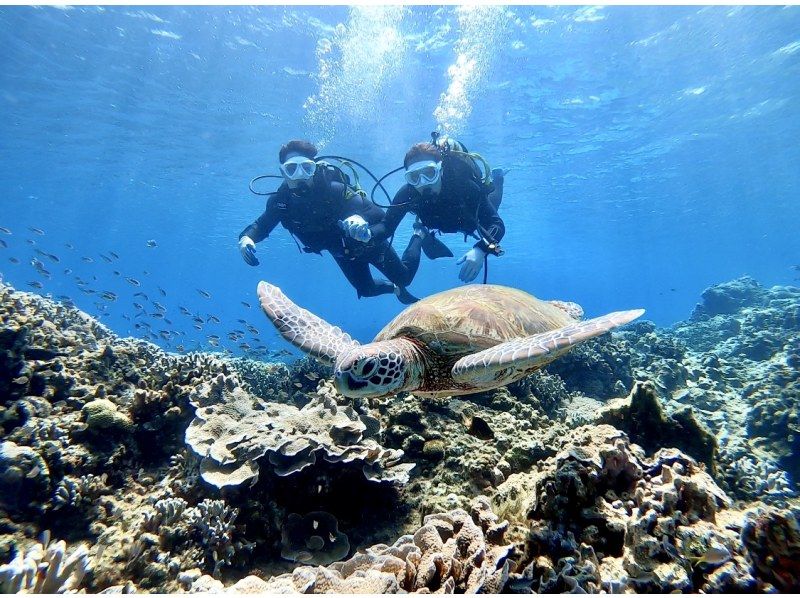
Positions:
(376, 370)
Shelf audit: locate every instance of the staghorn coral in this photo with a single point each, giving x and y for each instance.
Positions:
(213, 521)
(45, 568)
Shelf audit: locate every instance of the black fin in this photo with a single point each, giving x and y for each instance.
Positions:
(434, 248)
(405, 297)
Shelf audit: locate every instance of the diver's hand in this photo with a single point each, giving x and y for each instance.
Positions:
(473, 263)
(247, 247)
(356, 228)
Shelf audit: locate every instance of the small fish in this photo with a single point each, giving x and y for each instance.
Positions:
(35, 284)
(13, 260)
(133, 281)
(152, 243)
(252, 330)
(796, 267)
(159, 306)
(108, 295)
(88, 260)
(205, 294)
(114, 255)
(67, 271)
(164, 334)
(5, 230)
(212, 318)
(117, 273)
(69, 246)
(38, 231)
(142, 295)
(162, 291)
(185, 311)
(138, 305)
(243, 322)
(312, 376)
(246, 304)
(213, 336)
(127, 317)
(106, 259)
(298, 384)
(198, 320)
(30, 241)
(3, 244)
(180, 348)
(198, 326)
(158, 315)
(145, 272)
(213, 343)
(88, 291)
(168, 321)
(717, 554)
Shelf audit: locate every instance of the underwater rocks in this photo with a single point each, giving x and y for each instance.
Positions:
(642, 417)
(603, 516)
(452, 552)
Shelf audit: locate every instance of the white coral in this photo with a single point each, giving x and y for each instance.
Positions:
(45, 569)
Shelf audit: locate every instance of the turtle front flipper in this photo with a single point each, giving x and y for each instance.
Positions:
(300, 327)
(510, 361)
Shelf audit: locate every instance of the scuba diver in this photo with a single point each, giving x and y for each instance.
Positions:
(321, 209)
(448, 192)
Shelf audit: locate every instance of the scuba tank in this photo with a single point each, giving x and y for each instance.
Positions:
(452, 148)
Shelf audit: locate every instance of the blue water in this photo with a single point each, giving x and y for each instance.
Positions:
(653, 149)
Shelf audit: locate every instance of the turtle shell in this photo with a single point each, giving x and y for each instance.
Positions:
(468, 319)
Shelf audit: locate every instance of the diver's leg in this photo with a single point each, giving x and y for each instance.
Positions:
(358, 274)
(496, 196)
(398, 271)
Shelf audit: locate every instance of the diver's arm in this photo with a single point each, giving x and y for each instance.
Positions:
(491, 222)
(398, 209)
(264, 224)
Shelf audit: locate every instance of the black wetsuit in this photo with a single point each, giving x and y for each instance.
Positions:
(462, 205)
(312, 217)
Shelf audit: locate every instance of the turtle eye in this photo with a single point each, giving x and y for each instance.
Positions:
(369, 367)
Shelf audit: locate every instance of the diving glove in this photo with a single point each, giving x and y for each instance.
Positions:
(356, 228)
(247, 247)
(473, 264)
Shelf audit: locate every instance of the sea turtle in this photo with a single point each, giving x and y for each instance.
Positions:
(465, 340)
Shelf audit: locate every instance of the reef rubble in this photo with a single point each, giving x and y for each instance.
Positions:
(648, 460)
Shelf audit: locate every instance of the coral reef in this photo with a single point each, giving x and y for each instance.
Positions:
(649, 460)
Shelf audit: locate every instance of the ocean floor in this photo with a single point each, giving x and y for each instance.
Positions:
(648, 460)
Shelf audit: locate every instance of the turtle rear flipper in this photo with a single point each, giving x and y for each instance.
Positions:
(509, 361)
(300, 327)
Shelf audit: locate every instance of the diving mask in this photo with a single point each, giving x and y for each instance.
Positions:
(423, 174)
(298, 168)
